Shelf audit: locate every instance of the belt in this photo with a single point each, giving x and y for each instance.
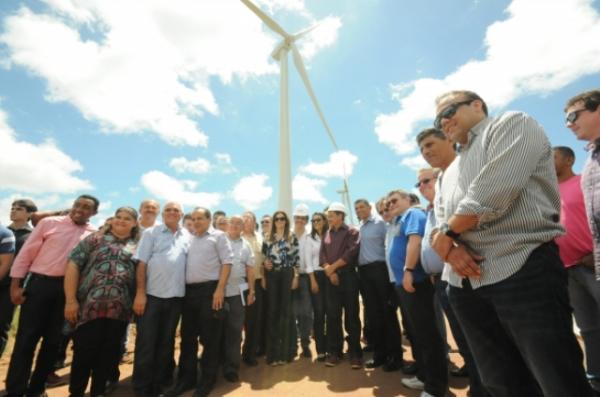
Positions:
(203, 284)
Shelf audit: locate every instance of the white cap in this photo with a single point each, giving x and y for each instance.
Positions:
(338, 207)
(301, 210)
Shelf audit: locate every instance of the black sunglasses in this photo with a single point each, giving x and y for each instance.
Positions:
(263, 222)
(574, 115)
(423, 182)
(279, 218)
(317, 220)
(448, 112)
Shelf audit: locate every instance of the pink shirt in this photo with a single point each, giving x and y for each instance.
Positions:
(46, 250)
(577, 242)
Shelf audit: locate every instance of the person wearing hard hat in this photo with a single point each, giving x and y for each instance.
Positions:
(338, 258)
(301, 296)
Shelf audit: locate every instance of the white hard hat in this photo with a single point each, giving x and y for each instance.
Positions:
(301, 210)
(338, 207)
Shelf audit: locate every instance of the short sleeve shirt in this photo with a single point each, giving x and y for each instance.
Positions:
(411, 222)
(106, 277)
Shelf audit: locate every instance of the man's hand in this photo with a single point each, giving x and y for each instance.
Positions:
(463, 262)
(587, 261)
(268, 264)
(314, 286)
(251, 297)
(442, 245)
(218, 299)
(329, 269)
(334, 279)
(295, 282)
(139, 303)
(407, 282)
(16, 295)
(71, 311)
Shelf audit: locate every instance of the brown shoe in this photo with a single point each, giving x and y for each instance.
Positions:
(332, 360)
(356, 363)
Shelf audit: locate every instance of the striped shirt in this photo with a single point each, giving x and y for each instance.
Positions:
(590, 184)
(504, 175)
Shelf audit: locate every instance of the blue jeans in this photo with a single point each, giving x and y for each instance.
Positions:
(520, 330)
(303, 310)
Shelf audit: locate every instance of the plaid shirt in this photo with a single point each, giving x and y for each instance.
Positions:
(590, 184)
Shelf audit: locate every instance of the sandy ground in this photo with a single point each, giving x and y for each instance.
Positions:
(303, 377)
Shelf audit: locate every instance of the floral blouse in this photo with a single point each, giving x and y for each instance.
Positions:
(106, 277)
(283, 253)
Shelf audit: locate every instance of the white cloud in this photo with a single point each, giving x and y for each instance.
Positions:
(415, 162)
(198, 166)
(340, 165)
(252, 191)
(540, 47)
(167, 188)
(146, 66)
(41, 168)
(224, 163)
(308, 189)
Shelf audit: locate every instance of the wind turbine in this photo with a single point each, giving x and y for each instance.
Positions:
(280, 54)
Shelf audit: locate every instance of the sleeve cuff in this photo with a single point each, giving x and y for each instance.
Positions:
(471, 207)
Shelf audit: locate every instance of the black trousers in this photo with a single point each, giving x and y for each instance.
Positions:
(254, 323)
(279, 295)
(41, 317)
(378, 295)
(428, 346)
(520, 330)
(343, 297)
(154, 344)
(96, 347)
(7, 310)
(200, 323)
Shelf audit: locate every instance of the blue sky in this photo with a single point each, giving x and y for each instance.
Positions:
(180, 100)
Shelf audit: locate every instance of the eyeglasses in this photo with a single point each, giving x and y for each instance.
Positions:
(279, 218)
(423, 182)
(391, 202)
(264, 222)
(317, 220)
(448, 112)
(573, 116)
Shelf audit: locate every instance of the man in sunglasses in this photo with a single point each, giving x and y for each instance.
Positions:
(498, 209)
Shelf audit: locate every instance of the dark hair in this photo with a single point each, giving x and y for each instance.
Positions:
(565, 151)
(91, 198)
(25, 203)
(426, 133)
(362, 201)
(186, 217)
(414, 199)
(466, 96)
(206, 212)
(217, 214)
(324, 225)
(591, 100)
(286, 231)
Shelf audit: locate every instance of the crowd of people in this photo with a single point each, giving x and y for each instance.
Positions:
(506, 249)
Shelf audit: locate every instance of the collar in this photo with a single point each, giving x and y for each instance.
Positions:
(167, 229)
(593, 146)
(343, 226)
(474, 132)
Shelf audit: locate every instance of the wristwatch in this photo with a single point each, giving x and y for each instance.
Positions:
(445, 229)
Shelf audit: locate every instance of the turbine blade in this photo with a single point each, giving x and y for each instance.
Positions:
(274, 26)
(304, 32)
(302, 71)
